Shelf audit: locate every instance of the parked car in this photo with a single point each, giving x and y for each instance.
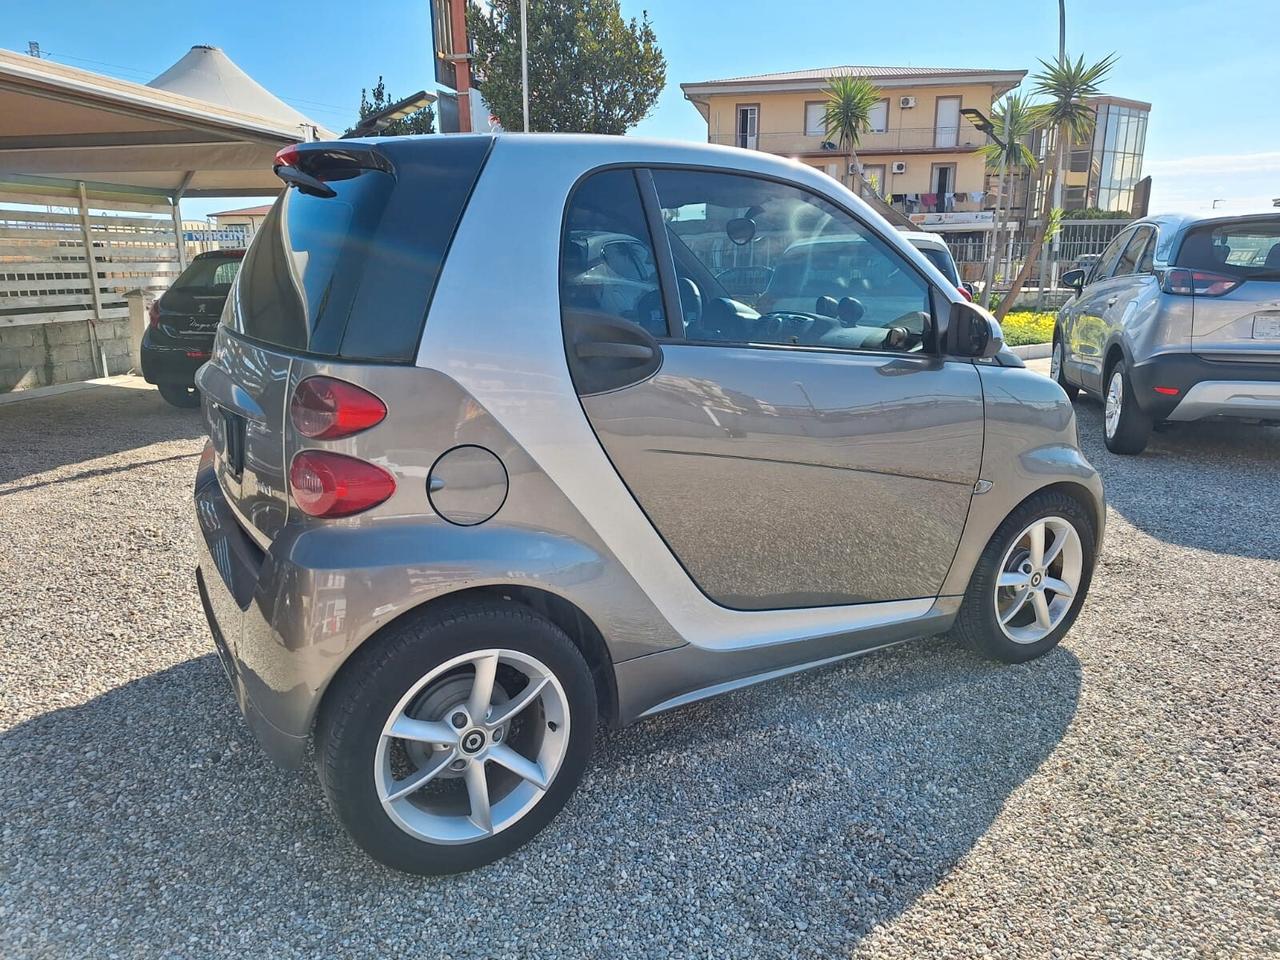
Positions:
(1178, 320)
(939, 254)
(477, 483)
(183, 321)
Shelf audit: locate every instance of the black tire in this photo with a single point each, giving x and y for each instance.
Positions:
(378, 675)
(977, 626)
(1070, 389)
(1133, 428)
(179, 396)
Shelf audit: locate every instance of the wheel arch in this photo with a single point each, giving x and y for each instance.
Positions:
(566, 615)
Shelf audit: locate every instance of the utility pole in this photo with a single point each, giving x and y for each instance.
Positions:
(1061, 150)
(524, 60)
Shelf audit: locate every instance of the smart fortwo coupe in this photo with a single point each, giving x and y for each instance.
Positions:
(515, 435)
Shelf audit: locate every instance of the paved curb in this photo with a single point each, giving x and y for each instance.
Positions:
(1033, 351)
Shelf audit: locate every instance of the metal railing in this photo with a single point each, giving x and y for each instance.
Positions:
(963, 136)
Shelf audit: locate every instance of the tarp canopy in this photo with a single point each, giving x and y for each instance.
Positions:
(202, 128)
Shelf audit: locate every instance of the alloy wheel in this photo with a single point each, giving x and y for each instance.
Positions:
(1115, 401)
(472, 746)
(1039, 577)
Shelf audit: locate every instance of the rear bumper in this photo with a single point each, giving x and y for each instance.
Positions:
(172, 364)
(228, 574)
(1207, 388)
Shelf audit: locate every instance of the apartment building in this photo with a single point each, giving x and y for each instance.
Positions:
(921, 154)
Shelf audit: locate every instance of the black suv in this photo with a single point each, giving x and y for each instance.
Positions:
(184, 319)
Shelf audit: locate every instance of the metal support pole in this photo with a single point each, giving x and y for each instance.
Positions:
(176, 211)
(524, 59)
(91, 267)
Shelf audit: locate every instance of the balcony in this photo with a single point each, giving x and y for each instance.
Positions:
(902, 140)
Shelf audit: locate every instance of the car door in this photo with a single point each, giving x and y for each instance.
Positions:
(795, 459)
(1087, 333)
(1130, 299)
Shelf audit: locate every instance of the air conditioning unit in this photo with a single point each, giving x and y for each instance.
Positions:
(906, 103)
(899, 166)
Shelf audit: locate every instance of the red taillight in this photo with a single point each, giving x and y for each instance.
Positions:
(288, 157)
(327, 409)
(1197, 283)
(153, 313)
(965, 293)
(1167, 391)
(331, 485)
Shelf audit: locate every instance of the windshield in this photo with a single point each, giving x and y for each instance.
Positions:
(209, 273)
(1244, 248)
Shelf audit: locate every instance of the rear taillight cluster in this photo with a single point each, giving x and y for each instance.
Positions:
(327, 484)
(1197, 283)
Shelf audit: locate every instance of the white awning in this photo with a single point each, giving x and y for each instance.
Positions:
(202, 128)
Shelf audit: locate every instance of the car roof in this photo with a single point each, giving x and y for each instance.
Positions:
(923, 236)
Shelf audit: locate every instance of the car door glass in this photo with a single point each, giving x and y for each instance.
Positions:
(607, 264)
(761, 262)
(1146, 263)
(1107, 262)
(1132, 256)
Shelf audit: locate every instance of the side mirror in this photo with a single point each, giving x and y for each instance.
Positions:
(972, 332)
(1074, 279)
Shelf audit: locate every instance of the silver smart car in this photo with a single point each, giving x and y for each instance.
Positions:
(1179, 319)
(513, 436)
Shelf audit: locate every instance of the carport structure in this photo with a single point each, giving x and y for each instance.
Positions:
(84, 147)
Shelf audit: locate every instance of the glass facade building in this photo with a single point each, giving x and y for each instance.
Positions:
(1101, 172)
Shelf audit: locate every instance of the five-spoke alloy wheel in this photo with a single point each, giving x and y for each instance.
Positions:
(453, 737)
(1031, 579)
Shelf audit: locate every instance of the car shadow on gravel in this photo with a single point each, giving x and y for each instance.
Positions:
(46, 433)
(1209, 485)
(787, 819)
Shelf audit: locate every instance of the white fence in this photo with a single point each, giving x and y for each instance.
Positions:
(48, 275)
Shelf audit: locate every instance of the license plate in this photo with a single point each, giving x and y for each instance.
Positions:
(235, 443)
(1266, 326)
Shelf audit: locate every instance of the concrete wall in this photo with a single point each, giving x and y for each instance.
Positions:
(37, 355)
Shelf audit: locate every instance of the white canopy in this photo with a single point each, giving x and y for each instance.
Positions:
(202, 128)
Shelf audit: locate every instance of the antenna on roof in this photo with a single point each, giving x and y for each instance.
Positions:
(33, 49)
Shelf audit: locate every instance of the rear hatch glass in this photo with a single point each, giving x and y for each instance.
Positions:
(351, 275)
(1243, 320)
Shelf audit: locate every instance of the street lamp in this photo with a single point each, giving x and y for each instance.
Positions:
(983, 125)
(388, 115)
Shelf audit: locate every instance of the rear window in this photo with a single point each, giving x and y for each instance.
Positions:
(352, 275)
(942, 260)
(1245, 248)
(208, 273)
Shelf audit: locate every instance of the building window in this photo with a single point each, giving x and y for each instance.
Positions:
(880, 116)
(748, 134)
(814, 111)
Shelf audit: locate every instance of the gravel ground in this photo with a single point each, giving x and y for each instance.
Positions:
(1117, 798)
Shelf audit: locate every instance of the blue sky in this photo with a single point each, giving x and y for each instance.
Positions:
(1210, 69)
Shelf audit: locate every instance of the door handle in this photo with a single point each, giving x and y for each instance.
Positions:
(1112, 301)
(612, 350)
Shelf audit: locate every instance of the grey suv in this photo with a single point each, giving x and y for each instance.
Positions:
(496, 457)
(1179, 319)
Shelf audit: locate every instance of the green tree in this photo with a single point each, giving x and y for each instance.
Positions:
(420, 121)
(1014, 120)
(847, 116)
(1069, 86)
(590, 71)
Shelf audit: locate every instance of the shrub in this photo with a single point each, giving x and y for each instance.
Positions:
(1023, 327)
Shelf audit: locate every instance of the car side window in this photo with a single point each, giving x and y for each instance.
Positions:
(1147, 262)
(1106, 264)
(762, 262)
(1133, 252)
(607, 263)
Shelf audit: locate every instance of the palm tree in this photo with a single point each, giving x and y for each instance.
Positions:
(1014, 120)
(1069, 87)
(847, 116)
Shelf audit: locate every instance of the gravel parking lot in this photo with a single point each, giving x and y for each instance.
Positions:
(1119, 798)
